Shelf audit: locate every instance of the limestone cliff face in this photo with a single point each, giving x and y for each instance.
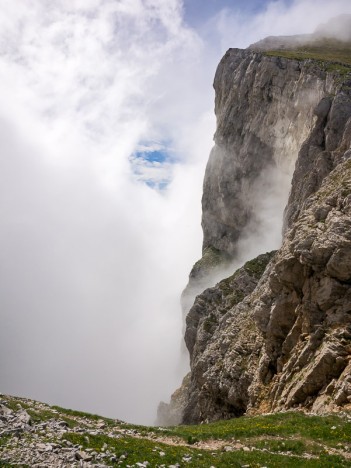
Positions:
(265, 111)
(280, 337)
(264, 107)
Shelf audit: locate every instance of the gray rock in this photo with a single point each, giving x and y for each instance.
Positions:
(285, 342)
(218, 334)
(24, 417)
(265, 109)
(81, 455)
(4, 411)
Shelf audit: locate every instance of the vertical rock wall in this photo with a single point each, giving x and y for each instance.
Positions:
(264, 107)
(280, 338)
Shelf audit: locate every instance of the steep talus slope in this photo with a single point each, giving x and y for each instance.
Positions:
(284, 342)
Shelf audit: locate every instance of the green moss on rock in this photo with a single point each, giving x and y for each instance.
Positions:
(211, 259)
(257, 266)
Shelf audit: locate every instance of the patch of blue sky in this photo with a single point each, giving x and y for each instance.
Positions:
(152, 163)
(159, 185)
(197, 12)
(200, 11)
(156, 151)
(154, 156)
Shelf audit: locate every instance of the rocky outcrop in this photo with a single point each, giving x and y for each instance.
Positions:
(209, 269)
(321, 152)
(220, 337)
(171, 414)
(303, 310)
(281, 339)
(217, 319)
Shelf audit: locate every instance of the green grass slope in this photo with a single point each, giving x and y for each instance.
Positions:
(289, 439)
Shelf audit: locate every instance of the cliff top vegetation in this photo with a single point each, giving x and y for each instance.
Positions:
(336, 53)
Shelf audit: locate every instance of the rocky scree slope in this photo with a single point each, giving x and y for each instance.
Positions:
(287, 342)
(33, 434)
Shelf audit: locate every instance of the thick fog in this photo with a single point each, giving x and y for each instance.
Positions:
(98, 231)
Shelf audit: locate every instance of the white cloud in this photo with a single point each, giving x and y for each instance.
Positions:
(92, 261)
